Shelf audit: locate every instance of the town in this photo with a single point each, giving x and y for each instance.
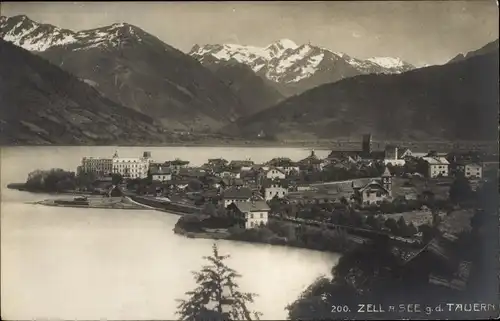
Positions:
(389, 185)
(420, 201)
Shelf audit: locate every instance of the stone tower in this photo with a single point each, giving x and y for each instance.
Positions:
(387, 181)
(367, 145)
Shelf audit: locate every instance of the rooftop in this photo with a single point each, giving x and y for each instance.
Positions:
(436, 160)
(238, 193)
(255, 206)
(159, 170)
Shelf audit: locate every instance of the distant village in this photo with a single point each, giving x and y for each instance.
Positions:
(364, 178)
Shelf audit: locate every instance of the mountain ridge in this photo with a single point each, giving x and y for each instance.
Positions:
(135, 69)
(450, 102)
(42, 104)
(295, 68)
(489, 47)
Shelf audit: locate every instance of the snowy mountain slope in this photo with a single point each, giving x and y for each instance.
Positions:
(38, 37)
(135, 69)
(300, 67)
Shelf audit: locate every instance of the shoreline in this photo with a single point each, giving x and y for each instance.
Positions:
(21, 188)
(322, 145)
(227, 237)
(265, 235)
(93, 203)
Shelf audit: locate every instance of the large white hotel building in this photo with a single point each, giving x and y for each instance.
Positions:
(134, 167)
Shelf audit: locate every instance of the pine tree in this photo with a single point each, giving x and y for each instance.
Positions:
(216, 296)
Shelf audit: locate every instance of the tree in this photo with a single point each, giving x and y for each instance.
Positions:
(428, 232)
(116, 178)
(373, 222)
(217, 295)
(401, 230)
(85, 180)
(411, 229)
(391, 224)
(54, 180)
(460, 190)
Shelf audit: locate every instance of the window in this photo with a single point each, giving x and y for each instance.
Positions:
(261, 215)
(379, 194)
(251, 215)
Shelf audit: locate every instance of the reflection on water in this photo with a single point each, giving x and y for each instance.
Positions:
(110, 264)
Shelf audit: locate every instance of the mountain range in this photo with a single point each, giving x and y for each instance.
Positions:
(42, 104)
(134, 87)
(134, 69)
(455, 101)
(293, 69)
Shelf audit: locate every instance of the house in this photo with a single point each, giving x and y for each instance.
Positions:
(160, 174)
(242, 165)
(285, 165)
(405, 153)
(236, 194)
(177, 164)
(344, 156)
(274, 189)
(217, 162)
(229, 181)
(192, 173)
(227, 172)
(471, 170)
(437, 166)
(274, 173)
(254, 213)
(376, 191)
(312, 162)
(372, 193)
(419, 154)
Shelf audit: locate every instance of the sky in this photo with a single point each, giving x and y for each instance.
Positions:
(419, 32)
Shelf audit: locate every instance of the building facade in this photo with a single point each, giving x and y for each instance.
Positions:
(275, 190)
(274, 173)
(236, 195)
(132, 167)
(97, 165)
(373, 193)
(160, 173)
(255, 213)
(471, 171)
(437, 166)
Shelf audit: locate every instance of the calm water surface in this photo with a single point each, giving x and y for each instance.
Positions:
(64, 263)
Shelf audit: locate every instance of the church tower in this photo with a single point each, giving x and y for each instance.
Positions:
(387, 181)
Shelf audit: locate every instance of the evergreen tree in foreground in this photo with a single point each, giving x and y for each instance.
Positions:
(216, 296)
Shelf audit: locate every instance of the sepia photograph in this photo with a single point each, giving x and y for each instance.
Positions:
(249, 160)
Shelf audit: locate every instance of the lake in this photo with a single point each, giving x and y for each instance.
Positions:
(69, 263)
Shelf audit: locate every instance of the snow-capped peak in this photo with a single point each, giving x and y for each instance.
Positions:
(387, 62)
(31, 35)
(34, 36)
(285, 61)
(284, 44)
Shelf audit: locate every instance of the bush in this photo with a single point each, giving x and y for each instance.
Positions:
(54, 180)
